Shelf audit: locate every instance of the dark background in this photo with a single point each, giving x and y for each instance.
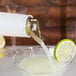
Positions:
(57, 18)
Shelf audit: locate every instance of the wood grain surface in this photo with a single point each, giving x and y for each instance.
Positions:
(57, 18)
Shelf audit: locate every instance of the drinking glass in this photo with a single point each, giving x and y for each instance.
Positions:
(31, 51)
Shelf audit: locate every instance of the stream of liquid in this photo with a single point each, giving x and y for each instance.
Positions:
(40, 41)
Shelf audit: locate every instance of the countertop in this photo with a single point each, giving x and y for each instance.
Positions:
(7, 68)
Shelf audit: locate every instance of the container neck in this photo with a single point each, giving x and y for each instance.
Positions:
(33, 30)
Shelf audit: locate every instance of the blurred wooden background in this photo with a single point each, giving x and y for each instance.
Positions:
(57, 18)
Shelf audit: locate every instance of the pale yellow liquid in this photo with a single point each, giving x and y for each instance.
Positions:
(39, 65)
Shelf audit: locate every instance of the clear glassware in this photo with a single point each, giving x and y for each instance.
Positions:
(29, 52)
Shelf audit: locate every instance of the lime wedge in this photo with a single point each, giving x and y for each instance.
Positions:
(2, 42)
(65, 50)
